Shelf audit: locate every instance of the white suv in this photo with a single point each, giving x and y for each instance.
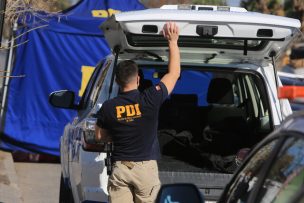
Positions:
(225, 100)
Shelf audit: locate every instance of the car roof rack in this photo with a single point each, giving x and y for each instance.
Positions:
(204, 8)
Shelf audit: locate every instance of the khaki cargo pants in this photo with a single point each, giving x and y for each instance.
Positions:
(134, 182)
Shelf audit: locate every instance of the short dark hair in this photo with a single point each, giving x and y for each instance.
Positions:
(125, 71)
(297, 53)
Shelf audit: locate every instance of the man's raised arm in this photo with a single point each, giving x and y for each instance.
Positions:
(171, 33)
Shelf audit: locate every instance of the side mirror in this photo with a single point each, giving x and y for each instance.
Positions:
(180, 192)
(63, 99)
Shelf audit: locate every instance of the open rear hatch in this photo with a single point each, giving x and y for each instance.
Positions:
(204, 35)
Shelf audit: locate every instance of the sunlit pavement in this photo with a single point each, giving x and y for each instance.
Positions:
(9, 189)
(29, 182)
(38, 182)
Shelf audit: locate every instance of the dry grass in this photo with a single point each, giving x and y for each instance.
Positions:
(23, 9)
(15, 9)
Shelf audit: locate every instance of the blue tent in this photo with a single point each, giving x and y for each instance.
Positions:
(53, 59)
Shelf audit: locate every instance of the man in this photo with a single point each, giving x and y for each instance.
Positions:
(130, 120)
(296, 61)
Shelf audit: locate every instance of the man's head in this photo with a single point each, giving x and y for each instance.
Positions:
(127, 73)
(297, 56)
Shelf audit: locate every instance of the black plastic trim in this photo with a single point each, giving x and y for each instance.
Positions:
(149, 29)
(147, 40)
(265, 33)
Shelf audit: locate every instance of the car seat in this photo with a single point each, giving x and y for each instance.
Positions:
(226, 123)
(143, 83)
(179, 112)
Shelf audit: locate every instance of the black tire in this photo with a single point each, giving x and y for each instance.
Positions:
(65, 193)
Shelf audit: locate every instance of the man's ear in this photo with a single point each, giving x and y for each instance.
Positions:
(138, 80)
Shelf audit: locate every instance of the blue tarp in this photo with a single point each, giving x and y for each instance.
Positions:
(52, 60)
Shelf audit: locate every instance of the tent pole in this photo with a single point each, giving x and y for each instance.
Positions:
(7, 74)
(2, 15)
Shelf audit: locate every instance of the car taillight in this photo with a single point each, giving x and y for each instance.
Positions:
(89, 124)
(88, 137)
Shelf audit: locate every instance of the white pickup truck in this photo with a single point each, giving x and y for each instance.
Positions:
(225, 100)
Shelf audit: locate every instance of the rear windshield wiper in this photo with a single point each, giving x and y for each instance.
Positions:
(144, 54)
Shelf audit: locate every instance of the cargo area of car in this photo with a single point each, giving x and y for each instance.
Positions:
(206, 138)
(208, 124)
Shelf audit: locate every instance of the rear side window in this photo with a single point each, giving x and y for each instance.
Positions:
(252, 95)
(99, 83)
(244, 183)
(86, 96)
(286, 176)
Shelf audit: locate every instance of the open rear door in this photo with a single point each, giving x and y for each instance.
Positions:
(204, 34)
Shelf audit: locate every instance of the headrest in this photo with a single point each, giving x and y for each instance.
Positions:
(187, 99)
(220, 91)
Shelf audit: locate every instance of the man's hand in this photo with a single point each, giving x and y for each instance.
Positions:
(102, 135)
(171, 33)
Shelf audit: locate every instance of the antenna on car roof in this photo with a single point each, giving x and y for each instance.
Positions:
(273, 54)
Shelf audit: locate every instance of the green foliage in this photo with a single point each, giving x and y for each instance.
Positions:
(249, 5)
(264, 6)
(272, 4)
(289, 8)
(257, 5)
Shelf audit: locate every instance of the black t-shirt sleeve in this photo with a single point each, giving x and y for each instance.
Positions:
(156, 94)
(101, 118)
